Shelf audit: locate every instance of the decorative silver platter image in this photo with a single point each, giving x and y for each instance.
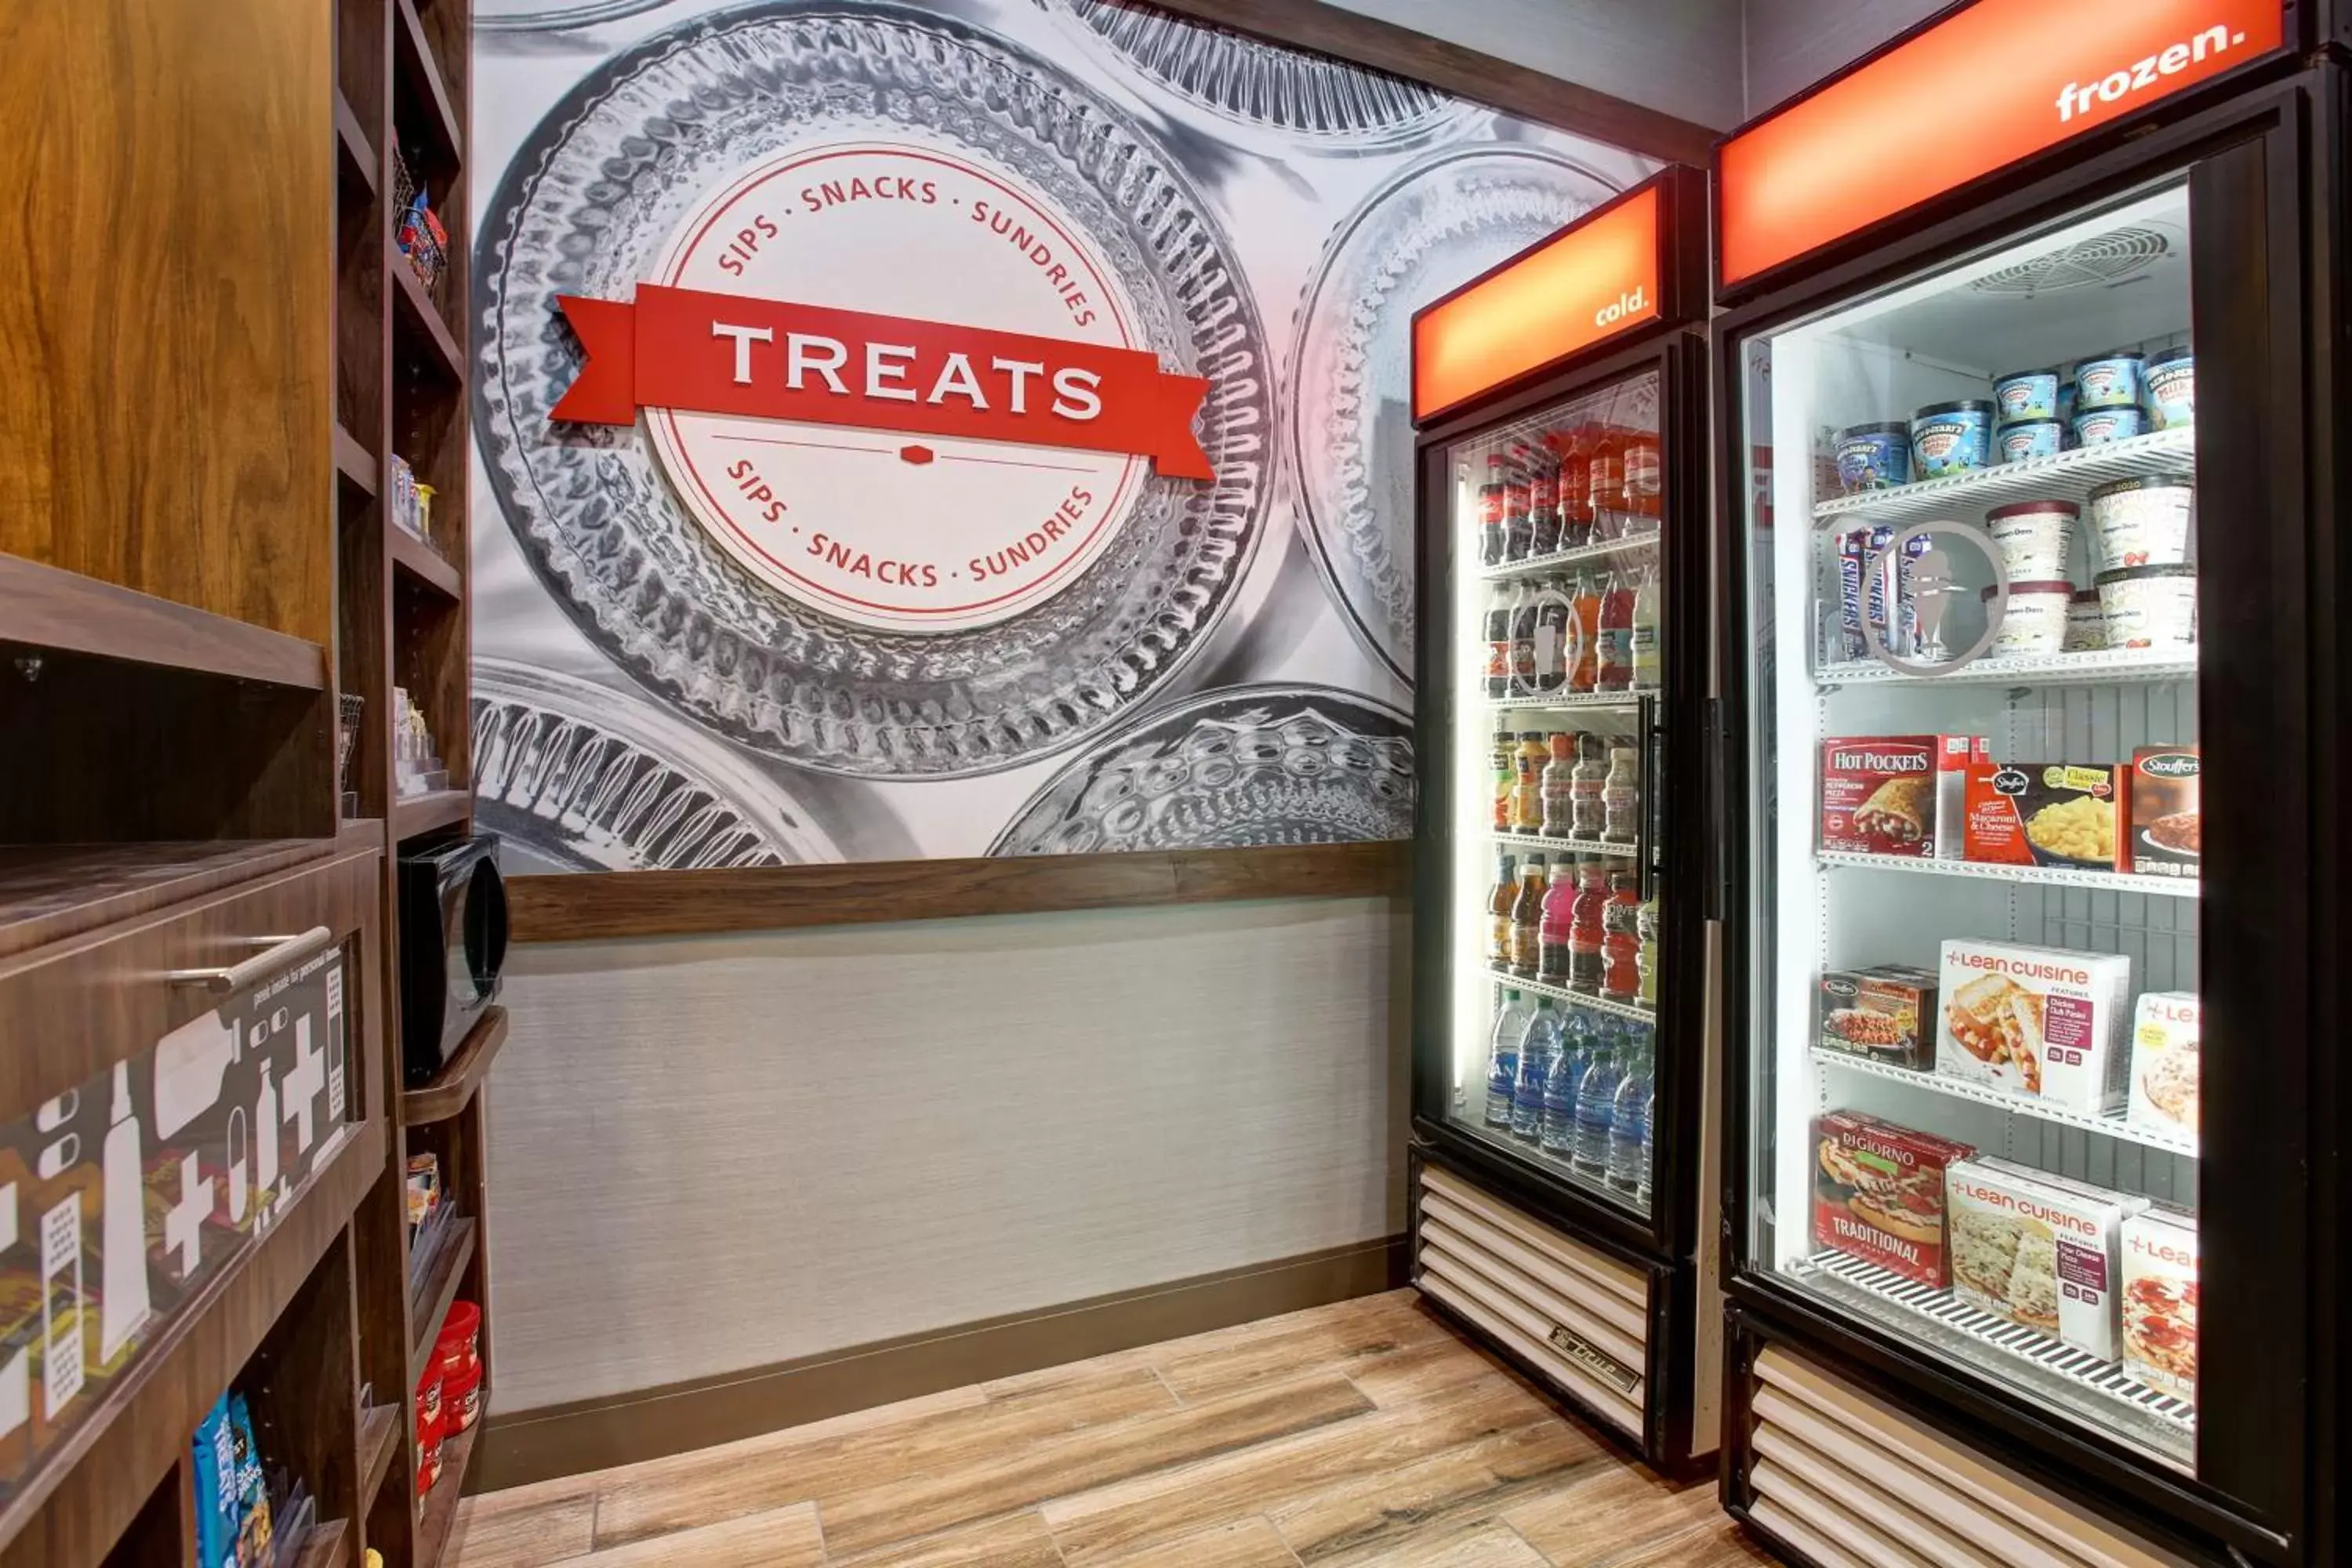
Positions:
(554, 15)
(1433, 228)
(1245, 765)
(587, 206)
(575, 778)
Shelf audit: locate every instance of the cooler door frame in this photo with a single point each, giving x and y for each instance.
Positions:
(1678, 357)
(2252, 239)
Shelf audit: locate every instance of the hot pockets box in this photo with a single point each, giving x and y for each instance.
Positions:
(1897, 795)
(2159, 1300)
(2038, 1249)
(2042, 1023)
(1878, 1193)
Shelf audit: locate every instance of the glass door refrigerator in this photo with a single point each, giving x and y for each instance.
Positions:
(2031, 552)
(1559, 998)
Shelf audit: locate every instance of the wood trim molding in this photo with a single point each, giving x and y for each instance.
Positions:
(588, 906)
(1465, 72)
(592, 1434)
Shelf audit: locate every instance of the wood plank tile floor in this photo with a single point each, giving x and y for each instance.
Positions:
(1365, 1434)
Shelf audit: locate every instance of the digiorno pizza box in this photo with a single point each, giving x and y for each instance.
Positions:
(1878, 1193)
(2038, 1249)
(2159, 1300)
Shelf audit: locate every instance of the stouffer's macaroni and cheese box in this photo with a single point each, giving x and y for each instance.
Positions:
(2159, 1300)
(1897, 795)
(2043, 814)
(2038, 1249)
(2167, 830)
(1878, 1193)
(2167, 1028)
(2042, 1023)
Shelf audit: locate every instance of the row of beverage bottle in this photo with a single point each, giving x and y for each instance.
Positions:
(1584, 927)
(1586, 485)
(1595, 631)
(1578, 1083)
(1560, 785)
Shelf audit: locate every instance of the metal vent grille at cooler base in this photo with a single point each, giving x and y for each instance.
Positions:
(2098, 262)
(1577, 1316)
(1853, 1482)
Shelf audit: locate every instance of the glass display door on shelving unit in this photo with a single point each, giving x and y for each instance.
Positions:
(1559, 666)
(1973, 770)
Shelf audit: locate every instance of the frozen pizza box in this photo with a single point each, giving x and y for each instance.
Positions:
(1897, 795)
(2167, 1030)
(2038, 1249)
(2159, 1300)
(1878, 1193)
(2040, 1023)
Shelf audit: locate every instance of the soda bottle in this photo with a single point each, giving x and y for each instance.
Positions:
(1527, 919)
(1596, 1104)
(1543, 498)
(1517, 535)
(1629, 1115)
(1507, 773)
(1490, 512)
(1559, 1134)
(1588, 811)
(1645, 926)
(1649, 660)
(1555, 634)
(1503, 1059)
(1524, 597)
(1557, 785)
(1620, 940)
(1575, 489)
(1585, 932)
(1621, 796)
(1558, 920)
(1606, 485)
(1615, 671)
(1644, 483)
(1498, 642)
(1498, 910)
(1526, 782)
(1539, 1053)
(1584, 669)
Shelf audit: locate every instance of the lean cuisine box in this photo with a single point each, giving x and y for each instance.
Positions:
(2168, 1028)
(2159, 1300)
(1897, 795)
(2043, 1022)
(1878, 1193)
(2039, 1250)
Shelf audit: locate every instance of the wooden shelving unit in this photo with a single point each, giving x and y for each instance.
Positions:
(55, 609)
(452, 1089)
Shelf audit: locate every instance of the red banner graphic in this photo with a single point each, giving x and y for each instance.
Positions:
(766, 359)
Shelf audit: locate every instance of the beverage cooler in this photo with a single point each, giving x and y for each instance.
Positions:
(2030, 552)
(1560, 956)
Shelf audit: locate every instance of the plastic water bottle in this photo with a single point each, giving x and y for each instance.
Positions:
(1649, 1138)
(1558, 1136)
(1503, 1059)
(1538, 1055)
(1596, 1104)
(1629, 1126)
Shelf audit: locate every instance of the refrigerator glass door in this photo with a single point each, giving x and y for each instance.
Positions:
(1558, 612)
(1971, 753)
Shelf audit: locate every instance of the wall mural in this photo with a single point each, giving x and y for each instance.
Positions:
(986, 429)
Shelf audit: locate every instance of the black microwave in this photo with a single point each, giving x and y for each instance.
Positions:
(452, 943)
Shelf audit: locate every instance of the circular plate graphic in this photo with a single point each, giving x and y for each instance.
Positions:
(595, 201)
(580, 780)
(1248, 80)
(1245, 765)
(1430, 229)
(553, 16)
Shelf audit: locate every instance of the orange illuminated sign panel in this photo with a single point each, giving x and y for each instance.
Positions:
(1997, 83)
(1591, 282)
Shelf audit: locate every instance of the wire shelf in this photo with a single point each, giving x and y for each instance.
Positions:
(1607, 848)
(1583, 554)
(1633, 1010)
(2115, 1126)
(2096, 666)
(2066, 475)
(1566, 702)
(2047, 876)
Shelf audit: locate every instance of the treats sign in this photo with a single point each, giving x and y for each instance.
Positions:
(767, 359)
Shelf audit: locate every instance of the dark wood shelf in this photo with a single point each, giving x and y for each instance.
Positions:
(422, 814)
(50, 608)
(441, 1503)
(357, 163)
(380, 1439)
(413, 307)
(49, 892)
(460, 1075)
(329, 1546)
(425, 564)
(354, 466)
(428, 1304)
(414, 52)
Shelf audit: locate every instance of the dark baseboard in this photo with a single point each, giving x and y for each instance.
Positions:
(592, 1434)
